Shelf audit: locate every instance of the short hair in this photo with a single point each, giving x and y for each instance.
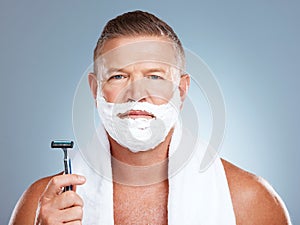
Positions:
(138, 23)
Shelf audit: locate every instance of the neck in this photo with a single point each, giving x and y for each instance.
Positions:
(140, 168)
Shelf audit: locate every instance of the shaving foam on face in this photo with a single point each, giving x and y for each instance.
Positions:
(139, 134)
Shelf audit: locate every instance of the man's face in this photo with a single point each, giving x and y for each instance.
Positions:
(139, 69)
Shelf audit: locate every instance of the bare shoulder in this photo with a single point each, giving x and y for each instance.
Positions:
(24, 212)
(255, 202)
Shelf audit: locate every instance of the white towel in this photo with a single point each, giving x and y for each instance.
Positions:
(195, 198)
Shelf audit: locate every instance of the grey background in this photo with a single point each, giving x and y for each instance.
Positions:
(252, 47)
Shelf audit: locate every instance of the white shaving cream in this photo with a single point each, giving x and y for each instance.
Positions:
(139, 134)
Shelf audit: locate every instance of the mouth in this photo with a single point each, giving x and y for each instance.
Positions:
(134, 114)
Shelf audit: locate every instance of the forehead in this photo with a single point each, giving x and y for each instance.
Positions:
(124, 51)
(142, 66)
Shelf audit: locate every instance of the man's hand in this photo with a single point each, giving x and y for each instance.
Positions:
(56, 207)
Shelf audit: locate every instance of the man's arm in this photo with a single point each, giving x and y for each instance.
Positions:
(255, 202)
(25, 209)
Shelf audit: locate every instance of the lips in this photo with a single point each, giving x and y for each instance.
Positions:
(136, 114)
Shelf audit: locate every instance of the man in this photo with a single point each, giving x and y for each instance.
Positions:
(139, 66)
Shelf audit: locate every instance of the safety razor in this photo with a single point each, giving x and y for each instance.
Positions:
(65, 145)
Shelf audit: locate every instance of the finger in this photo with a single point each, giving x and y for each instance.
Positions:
(71, 214)
(58, 182)
(74, 188)
(67, 199)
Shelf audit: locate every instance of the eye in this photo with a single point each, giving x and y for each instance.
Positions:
(155, 77)
(117, 77)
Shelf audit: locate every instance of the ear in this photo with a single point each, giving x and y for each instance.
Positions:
(92, 78)
(184, 85)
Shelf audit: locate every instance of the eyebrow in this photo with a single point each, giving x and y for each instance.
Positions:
(150, 70)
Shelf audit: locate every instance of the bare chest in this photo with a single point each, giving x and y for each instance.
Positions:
(141, 205)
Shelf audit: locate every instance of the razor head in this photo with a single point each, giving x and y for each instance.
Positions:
(62, 144)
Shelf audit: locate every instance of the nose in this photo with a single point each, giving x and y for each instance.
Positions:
(136, 90)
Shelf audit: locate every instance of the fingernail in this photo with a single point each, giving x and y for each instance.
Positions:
(81, 178)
